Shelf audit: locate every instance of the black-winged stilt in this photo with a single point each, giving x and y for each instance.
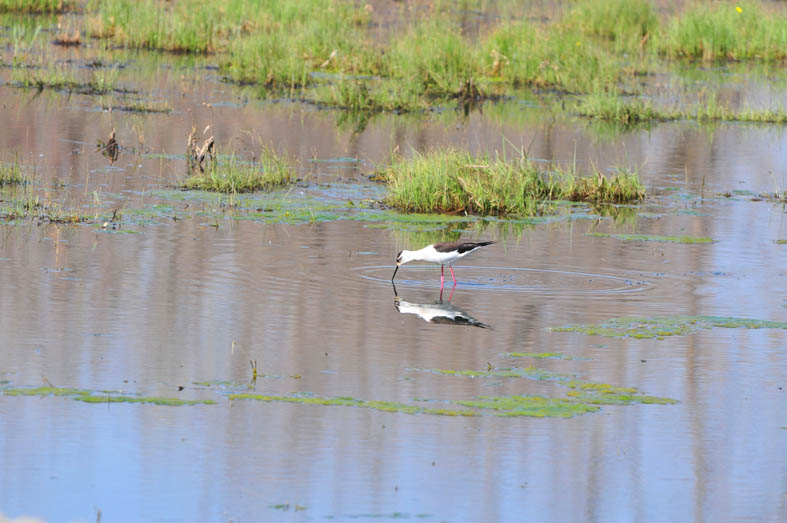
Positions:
(443, 253)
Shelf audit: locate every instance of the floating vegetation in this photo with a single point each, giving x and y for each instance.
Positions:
(539, 355)
(652, 238)
(583, 397)
(90, 396)
(235, 176)
(531, 406)
(344, 401)
(451, 181)
(660, 327)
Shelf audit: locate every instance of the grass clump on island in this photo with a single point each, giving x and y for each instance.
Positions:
(451, 181)
(36, 6)
(60, 77)
(233, 175)
(628, 111)
(726, 31)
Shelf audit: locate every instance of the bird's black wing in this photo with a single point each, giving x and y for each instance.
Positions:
(461, 247)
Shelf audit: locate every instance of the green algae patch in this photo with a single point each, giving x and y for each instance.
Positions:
(539, 355)
(89, 396)
(662, 326)
(531, 406)
(583, 394)
(514, 372)
(652, 238)
(344, 401)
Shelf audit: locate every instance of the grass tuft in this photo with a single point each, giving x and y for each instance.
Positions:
(11, 174)
(36, 6)
(450, 181)
(236, 176)
(627, 24)
(716, 31)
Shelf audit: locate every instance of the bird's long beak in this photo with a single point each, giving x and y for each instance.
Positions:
(394, 275)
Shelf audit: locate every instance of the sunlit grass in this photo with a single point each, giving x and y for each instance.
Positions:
(235, 176)
(450, 181)
(626, 24)
(726, 30)
(36, 6)
(62, 77)
(627, 111)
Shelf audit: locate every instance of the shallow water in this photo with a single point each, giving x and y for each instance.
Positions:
(165, 304)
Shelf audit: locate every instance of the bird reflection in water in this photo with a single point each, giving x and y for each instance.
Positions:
(438, 312)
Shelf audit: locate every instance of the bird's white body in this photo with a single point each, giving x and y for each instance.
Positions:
(441, 253)
(432, 255)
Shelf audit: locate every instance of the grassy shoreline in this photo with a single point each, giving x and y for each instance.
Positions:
(329, 52)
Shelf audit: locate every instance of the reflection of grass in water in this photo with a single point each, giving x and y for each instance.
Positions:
(451, 181)
(662, 326)
(652, 238)
(89, 396)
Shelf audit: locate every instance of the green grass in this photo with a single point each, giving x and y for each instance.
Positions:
(11, 174)
(450, 181)
(37, 6)
(176, 26)
(726, 30)
(64, 78)
(627, 24)
(521, 54)
(235, 176)
(626, 111)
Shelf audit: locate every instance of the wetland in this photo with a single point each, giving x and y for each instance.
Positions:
(201, 206)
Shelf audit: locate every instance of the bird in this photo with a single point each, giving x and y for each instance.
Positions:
(445, 253)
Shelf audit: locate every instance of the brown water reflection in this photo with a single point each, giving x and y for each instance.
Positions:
(171, 304)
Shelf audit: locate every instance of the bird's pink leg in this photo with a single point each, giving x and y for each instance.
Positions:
(442, 278)
(450, 295)
(452, 274)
